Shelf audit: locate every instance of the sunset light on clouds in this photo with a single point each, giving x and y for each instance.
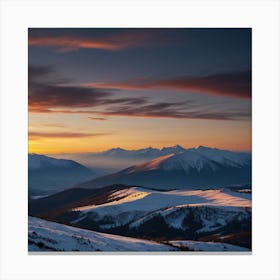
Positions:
(96, 89)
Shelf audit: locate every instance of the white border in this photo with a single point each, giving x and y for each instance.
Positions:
(262, 16)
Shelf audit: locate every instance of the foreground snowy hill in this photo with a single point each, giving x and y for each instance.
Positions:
(167, 215)
(48, 236)
(192, 212)
(207, 246)
(197, 167)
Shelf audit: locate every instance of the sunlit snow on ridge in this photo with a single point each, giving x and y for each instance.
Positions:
(136, 198)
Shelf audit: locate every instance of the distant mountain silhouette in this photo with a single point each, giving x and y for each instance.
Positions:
(49, 175)
(148, 153)
(196, 167)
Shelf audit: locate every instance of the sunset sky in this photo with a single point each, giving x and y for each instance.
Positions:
(96, 89)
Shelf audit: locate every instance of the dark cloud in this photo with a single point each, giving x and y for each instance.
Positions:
(47, 95)
(174, 110)
(233, 84)
(52, 96)
(38, 72)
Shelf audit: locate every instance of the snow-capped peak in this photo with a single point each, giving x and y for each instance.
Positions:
(186, 160)
(173, 149)
(195, 158)
(201, 147)
(224, 157)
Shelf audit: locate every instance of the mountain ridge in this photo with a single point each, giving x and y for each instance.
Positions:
(120, 158)
(199, 167)
(48, 175)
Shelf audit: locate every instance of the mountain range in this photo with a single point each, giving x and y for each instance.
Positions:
(191, 168)
(146, 153)
(119, 158)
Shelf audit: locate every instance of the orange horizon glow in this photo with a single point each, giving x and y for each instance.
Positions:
(132, 134)
(53, 134)
(58, 146)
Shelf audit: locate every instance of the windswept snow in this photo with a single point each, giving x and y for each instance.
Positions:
(49, 236)
(137, 205)
(196, 158)
(224, 157)
(153, 164)
(219, 197)
(139, 199)
(182, 161)
(207, 246)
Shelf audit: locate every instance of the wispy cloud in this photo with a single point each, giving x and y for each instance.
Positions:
(53, 125)
(116, 41)
(174, 110)
(39, 135)
(232, 84)
(47, 95)
(97, 119)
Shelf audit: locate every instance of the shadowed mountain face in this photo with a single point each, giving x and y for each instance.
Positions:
(48, 175)
(192, 168)
(61, 202)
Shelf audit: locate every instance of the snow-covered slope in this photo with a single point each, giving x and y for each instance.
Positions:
(48, 236)
(198, 158)
(207, 246)
(197, 167)
(183, 161)
(165, 215)
(134, 207)
(224, 157)
(137, 198)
